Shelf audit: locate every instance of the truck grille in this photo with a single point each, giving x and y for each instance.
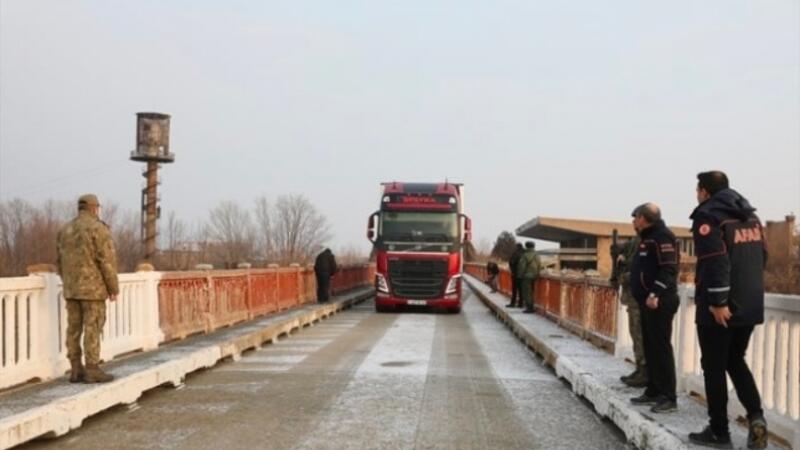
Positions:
(417, 279)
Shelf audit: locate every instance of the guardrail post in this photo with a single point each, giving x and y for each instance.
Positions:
(589, 309)
(684, 340)
(47, 322)
(623, 343)
(563, 299)
(297, 283)
(152, 334)
(277, 286)
(210, 306)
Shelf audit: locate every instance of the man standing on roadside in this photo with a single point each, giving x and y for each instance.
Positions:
(654, 285)
(528, 271)
(513, 261)
(87, 264)
(626, 251)
(324, 268)
(729, 294)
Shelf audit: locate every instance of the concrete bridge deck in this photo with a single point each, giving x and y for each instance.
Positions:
(364, 380)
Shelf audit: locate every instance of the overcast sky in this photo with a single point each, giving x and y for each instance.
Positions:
(578, 109)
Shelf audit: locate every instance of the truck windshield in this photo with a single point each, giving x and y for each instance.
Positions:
(419, 227)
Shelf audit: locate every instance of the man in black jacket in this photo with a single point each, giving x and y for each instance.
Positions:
(324, 269)
(516, 299)
(729, 293)
(654, 285)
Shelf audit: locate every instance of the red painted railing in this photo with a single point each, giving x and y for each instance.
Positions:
(202, 301)
(585, 306)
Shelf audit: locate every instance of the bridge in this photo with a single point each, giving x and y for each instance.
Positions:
(247, 359)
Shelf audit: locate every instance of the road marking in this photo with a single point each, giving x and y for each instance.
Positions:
(301, 341)
(254, 368)
(272, 359)
(293, 348)
(404, 350)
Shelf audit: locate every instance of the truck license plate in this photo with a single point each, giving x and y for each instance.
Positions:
(416, 302)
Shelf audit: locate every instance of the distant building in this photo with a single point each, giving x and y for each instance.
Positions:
(586, 244)
(780, 242)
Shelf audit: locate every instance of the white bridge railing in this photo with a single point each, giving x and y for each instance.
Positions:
(153, 307)
(773, 357)
(33, 323)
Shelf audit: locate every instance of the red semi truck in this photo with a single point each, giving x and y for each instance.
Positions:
(418, 235)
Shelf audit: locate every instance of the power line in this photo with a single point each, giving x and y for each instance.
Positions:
(63, 180)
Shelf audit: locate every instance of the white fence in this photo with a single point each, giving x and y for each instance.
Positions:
(33, 324)
(773, 356)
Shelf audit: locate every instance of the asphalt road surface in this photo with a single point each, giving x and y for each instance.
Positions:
(362, 380)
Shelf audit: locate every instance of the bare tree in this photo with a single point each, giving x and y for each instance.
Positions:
(231, 234)
(504, 246)
(177, 252)
(263, 224)
(28, 233)
(14, 236)
(481, 250)
(126, 232)
(350, 255)
(298, 229)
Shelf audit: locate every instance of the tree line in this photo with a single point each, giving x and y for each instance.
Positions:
(290, 230)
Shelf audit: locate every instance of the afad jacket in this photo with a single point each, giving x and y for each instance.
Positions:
(731, 253)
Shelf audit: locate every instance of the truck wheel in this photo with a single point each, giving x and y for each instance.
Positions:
(381, 309)
(454, 310)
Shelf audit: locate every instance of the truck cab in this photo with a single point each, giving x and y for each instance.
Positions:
(418, 235)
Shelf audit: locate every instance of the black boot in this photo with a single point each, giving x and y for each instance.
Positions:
(707, 438)
(664, 405)
(628, 376)
(645, 399)
(757, 433)
(638, 379)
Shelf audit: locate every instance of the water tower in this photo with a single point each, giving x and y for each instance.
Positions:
(152, 147)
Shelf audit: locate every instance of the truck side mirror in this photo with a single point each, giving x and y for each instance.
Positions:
(467, 228)
(371, 227)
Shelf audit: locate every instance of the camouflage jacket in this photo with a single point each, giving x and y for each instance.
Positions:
(87, 261)
(529, 265)
(628, 249)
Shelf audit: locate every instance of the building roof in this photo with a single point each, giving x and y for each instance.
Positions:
(560, 229)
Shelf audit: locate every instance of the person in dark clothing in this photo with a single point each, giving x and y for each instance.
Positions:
(324, 269)
(654, 285)
(729, 294)
(493, 271)
(516, 298)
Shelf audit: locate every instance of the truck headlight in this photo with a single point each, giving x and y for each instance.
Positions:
(452, 286)
(381, 284)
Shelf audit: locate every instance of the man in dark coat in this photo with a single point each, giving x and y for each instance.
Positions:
(516, 300)
(324, 269)
(493, 271)
(729, 294)
(654, 285)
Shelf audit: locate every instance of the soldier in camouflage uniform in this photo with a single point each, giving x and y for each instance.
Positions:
(639, 376)
(88, 267)
(528, 269)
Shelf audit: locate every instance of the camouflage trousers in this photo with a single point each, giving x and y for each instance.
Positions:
(634, 327)
(526, 289)
(85, 317)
